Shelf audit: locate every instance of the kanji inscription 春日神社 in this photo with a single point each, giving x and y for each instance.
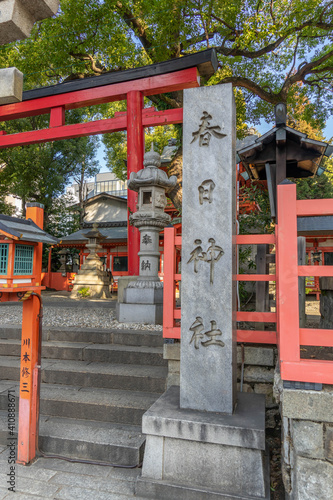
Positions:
(197, 328)
(212, 255)
(205, 130)
(206, 189)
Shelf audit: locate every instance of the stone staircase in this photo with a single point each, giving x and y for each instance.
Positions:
(96, 385)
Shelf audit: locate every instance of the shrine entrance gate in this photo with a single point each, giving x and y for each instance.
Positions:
(132, 86)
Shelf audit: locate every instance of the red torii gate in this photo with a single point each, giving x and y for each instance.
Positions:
(130, 85)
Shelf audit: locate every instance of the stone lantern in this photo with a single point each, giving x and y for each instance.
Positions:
(92, 275)
(143, 299)
(63, 255)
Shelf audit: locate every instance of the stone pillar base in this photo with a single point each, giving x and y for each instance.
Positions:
(151, 314)
(141, 305)
(197, 455)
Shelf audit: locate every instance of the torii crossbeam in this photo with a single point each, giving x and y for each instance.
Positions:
(130, 85)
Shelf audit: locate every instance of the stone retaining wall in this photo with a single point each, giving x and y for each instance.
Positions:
(307, 442)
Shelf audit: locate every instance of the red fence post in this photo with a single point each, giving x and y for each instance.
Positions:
(287, 275)
(135, 151)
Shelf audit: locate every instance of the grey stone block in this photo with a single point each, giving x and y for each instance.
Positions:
(208, 254)
(329, 443)
(122, 284)
(246, 388)
(314, 479)
(11, 83)
(262, 356)
(15, 21)
(308, 405)
(173, 379)
(171, 351)
(41, 9)
(266, 389)
(308, 439)
(192, 453)
(245, 428)
(162, 490)
(173, 366)
(258, 374)
(194, 463)
(143, 296)
(140, 313)
(153, 458)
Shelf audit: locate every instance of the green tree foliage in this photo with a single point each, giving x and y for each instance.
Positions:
(267, 48)
(271, 51)
(40, 172)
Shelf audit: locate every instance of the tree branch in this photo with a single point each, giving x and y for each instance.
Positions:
(235, 52)
(95, 66)
(238, 81)
(135, 24)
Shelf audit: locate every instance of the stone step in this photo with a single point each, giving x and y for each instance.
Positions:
(91, 335)
(104, 405)
(88, 374)
(114, 353)
(136, 355)
(100, 441)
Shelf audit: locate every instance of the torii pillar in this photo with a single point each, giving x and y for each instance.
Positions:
(135, 152)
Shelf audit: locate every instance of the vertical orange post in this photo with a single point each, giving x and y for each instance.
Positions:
(287, 266)
(30, 357)
(135, 151)
(29, 404)
(169, 281)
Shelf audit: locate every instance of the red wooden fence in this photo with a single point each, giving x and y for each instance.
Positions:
(289, 336)
(172, 314)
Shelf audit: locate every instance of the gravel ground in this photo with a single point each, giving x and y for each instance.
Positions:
(96, 314)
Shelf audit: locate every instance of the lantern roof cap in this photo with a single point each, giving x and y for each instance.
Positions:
(94, 233)
(151, 175)
(24, 230)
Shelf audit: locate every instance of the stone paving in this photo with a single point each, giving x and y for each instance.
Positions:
(61, 310)
(57, 479)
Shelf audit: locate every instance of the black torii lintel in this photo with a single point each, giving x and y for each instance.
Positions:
(205, 61)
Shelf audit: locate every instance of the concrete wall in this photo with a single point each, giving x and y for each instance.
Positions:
(106, 210)
(307, 442)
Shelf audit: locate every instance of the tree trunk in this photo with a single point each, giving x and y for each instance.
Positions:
(176, 168)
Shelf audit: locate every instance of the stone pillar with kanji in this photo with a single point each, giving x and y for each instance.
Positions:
(205, 440)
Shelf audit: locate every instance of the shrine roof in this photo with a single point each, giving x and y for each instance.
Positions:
(112, 231)
(24, 230)
(205, 61)
(304, 155)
